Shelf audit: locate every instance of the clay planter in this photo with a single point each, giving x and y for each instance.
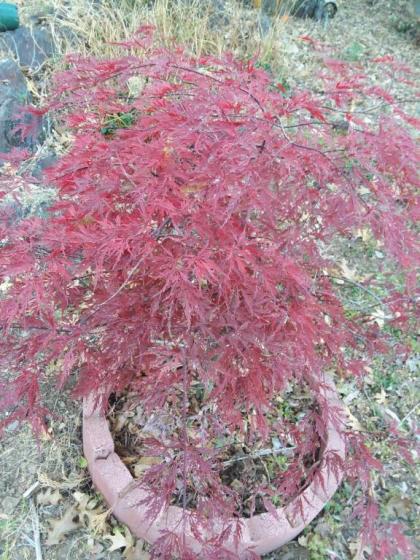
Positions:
(262, 533)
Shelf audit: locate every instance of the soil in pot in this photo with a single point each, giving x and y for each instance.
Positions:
(256, 475)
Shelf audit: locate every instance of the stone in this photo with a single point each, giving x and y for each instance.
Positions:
(30, 47)
(12, 81)
(14, 96)
(13, 93)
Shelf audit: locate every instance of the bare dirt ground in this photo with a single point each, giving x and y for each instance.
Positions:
(64, 519)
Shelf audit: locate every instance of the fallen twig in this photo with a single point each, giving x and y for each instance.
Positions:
(35, 529)
(259, 454)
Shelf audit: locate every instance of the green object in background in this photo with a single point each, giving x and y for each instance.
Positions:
(9, 17)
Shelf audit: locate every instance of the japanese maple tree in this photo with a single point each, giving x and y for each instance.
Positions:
(185, 249)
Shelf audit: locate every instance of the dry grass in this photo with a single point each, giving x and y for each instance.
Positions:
(89, 26)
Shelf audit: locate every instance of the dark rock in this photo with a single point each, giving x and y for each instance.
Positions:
(30, 47)
(12, 81)
(13, 93)
(13, 98)
(319, 10)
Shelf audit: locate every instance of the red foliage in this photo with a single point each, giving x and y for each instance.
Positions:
(187, 246)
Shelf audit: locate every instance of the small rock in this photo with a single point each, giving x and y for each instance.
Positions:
(12, 81)
(13, 93)
(31, 47)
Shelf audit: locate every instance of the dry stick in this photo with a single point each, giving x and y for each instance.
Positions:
(35, 528)
(407, 416)
(123, 285)
(312, 149)
(360, 286)
(185, 385)
(259, 454)
(369, 109)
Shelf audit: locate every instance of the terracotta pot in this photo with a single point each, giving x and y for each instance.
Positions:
(262, 533)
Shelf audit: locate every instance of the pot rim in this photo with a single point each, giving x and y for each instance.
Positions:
(260, 534)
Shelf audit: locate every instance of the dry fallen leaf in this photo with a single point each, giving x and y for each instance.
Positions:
(84, 501)
(98, 521)
(160, 425)
(67, 484)
(193, 188)
(352, 421)
(347, 272)
(61, 527)
(119, 540)
(143, 463)
(356, 549)
(379, 317)
(120, 421)
(365, 234)
(303, 541)
(400, 507)
(381, 397)
(94, 517)
(49, 497)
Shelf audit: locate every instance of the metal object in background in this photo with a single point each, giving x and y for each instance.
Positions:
(320, 10)
(9, 17)
(329, 9)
